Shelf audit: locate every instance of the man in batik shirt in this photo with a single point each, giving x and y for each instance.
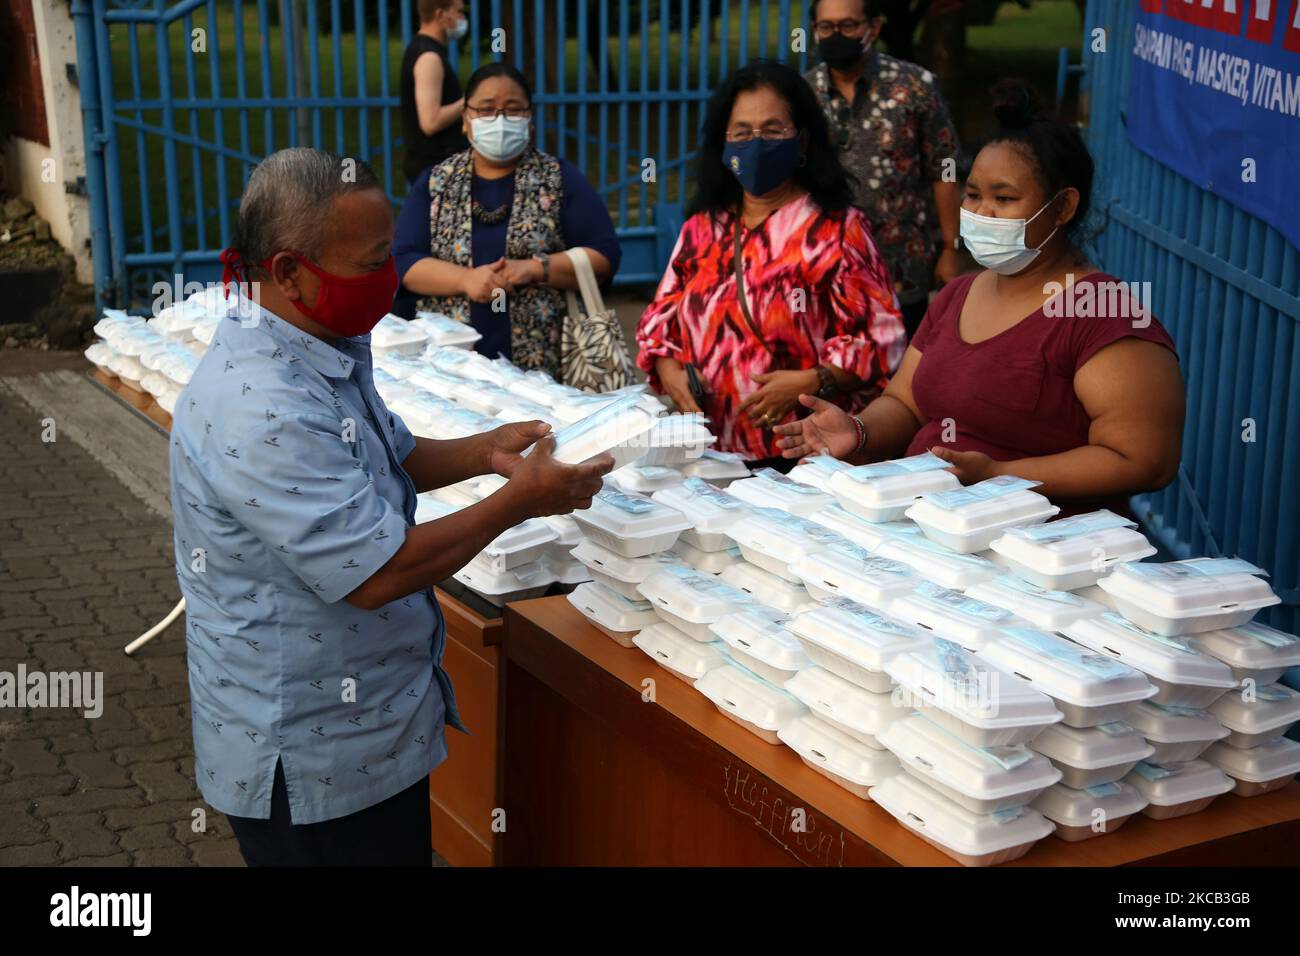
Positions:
(892, 127)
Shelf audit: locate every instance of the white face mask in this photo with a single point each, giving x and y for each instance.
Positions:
(999, 244)
(500, 138)
(459, 30)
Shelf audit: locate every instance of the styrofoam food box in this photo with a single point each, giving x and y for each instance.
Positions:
(718, 468)
(1074, 811)
(616, 427)
(854, 641)
(1187, 597)
(946, 613)
(1094, 592)
(774, 539)
(645, 479)
(710, 562)
(538, 387)
(394, 334)
(1050, 610)
(677, 439)
(692, 600)
(969, 519)
(631, 525)
(710, 510)
(972, 839)
(768, 488)
(884, 490)
(1183, 677)
(445, 332)
(934, 562)
(978, 702)
(817, 471)
(848, 570)
(1254, 651)
(1074, 552)
(1176, 790)
(502, 587)
(619, 573)
(1256, 718)
(860, 531)
(981, 780)
(851, 709)
(1178, 734)
(765, 586)
(834, 754)
(520, 545)
(566, 570)
(1087, 687)
(762, 645)
(680, 654)
(1257, 770)
(612, 613)
(99, 353)
(750, 701)
(483, 398)
(1090, 756)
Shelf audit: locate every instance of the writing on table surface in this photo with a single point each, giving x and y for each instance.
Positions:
(748, 794)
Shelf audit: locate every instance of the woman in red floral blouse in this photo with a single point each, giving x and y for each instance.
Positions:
(819, 313)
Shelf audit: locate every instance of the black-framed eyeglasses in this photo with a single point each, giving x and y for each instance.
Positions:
(491, 112)
(765, 133)
(848, 28)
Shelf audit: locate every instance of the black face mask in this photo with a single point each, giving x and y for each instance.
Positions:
(840, 52)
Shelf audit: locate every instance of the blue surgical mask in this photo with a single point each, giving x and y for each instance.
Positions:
(761, 165)
(999, 244)
(459, 30)
(500, 138)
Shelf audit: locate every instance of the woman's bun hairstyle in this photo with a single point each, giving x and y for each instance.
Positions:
(1059, 154)
(1016, 104)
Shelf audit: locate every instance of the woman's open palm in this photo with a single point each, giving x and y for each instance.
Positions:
(828, 429)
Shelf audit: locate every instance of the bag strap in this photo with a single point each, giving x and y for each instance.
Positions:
(591, 298)
(741, 295)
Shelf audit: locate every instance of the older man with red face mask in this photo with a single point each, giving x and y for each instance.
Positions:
(315, 639)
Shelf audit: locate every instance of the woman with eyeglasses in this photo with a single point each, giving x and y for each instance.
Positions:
(481, 235)
(1039, 366)
(775, 288)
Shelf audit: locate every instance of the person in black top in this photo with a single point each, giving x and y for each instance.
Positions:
(431, 96)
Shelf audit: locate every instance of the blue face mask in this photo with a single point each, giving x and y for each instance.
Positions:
(761, 165)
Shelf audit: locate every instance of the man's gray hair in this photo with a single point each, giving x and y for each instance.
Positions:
(288, 199)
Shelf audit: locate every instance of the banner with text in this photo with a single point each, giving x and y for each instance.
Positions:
(1215, 94)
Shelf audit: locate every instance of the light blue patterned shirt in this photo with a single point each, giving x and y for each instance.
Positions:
(287, 494)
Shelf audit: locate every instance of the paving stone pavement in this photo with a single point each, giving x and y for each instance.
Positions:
(85, 567)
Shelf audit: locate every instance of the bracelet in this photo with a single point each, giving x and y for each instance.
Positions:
(862, 434)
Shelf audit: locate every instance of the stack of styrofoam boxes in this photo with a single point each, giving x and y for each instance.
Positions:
(447, 392)
(626, 540)
(772, 533)
(1256, 753)
(705, 545)
(147, 356)
(1179, 621)
(968, 784)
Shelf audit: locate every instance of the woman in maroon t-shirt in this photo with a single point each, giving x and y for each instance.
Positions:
(1038, 366)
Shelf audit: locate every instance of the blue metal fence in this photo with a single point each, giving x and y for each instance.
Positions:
(182, 98)
(1227, 286)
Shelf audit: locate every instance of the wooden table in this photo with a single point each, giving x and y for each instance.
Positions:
(595, 774)
(465, 789)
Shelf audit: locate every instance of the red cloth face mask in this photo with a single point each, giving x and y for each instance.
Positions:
(349, 305)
